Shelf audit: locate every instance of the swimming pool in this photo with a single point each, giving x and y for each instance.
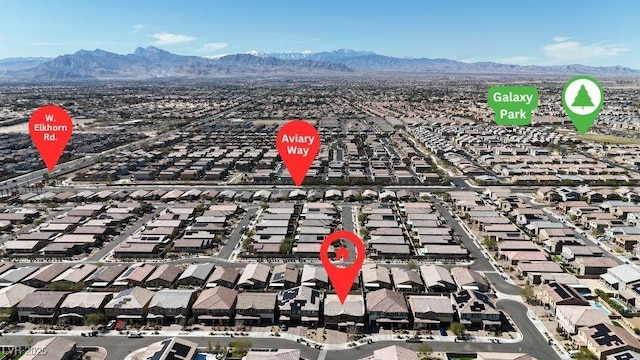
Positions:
(599, 306)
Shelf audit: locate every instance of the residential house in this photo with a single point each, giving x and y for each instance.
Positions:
(502, 356)
(621, 276)
(130, 304)
(273, 354)
(53, 348)
(314, 276)
(375, 277)
(469, 279)
(215, 305)
(135, 275)
(349, 315)
(605, 339)
(476, 310)
(45, 275)
(437, 278)
(104, 276)
(13, 276)
(10, 297)
(572, 317)
(196, 275)
(300, 305)
(254, 276)
(387, 308)
(431, 312)
(171, 348)
(554, 294)
(285, 276)
(226, 277)
(76, 274)
(393, 352)
(407, 280)
(256, 308)
(165, 276)
(77, 306)
(593, 266)
(169, 306)
(41, 307)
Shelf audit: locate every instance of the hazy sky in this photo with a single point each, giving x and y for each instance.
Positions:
(520, 32)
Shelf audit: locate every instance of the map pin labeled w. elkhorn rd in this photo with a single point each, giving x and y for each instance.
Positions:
(50, 128)
(582, 100)
(342, 277)
(298, 144)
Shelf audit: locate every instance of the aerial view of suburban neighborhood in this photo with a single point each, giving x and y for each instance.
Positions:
(177, 184)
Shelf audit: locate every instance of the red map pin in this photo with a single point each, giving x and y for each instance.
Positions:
(342, 277)
(298, 143)
(50, 128)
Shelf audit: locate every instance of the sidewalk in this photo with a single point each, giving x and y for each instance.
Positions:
(268, 335)
(504, 296)
(564, 355)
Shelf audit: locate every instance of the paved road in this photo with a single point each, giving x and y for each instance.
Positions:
(36, 176)
(587, 240)
(236, 234)
(481, 263)
(501, 285)
(95, 257)
(533, 343)
(349, 225)
(120, 346)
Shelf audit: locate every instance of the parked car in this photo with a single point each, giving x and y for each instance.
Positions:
(414, 339)
(443, 331)
(135, 335)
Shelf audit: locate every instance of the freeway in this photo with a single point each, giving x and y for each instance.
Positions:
(90, 159)
(36, 176)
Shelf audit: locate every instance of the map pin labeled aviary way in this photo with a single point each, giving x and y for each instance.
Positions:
(50, 128)
(298, 144)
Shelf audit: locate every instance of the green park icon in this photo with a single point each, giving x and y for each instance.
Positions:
(582, 100)
(513, 104)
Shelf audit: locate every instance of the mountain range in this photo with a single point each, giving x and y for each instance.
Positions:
(151, 62)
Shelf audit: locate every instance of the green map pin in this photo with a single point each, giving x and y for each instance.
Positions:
(582, 100)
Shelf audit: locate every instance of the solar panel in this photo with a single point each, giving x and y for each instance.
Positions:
(603, 336)
(624, 356)
(181, 350)
(278, 276)
(159, 353)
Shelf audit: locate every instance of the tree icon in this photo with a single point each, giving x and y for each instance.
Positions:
(582, 98)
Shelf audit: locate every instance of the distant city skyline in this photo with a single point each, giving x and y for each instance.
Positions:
(591, 32)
